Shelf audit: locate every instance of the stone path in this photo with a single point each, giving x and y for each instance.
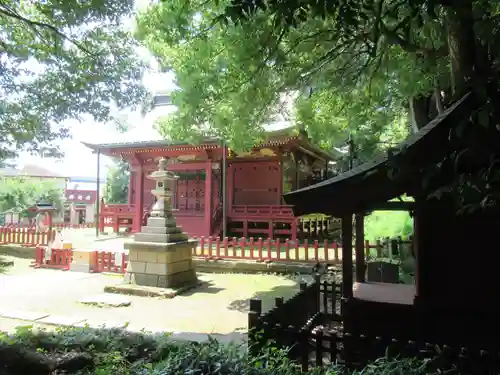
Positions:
(218, 307)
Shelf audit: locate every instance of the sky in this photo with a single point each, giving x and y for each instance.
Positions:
(79, 160)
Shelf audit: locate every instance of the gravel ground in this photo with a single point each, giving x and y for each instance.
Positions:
(220, 306)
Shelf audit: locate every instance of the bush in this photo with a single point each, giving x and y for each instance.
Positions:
(381, 224)
(87, 351)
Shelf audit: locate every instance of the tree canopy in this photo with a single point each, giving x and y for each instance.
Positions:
(18, 194)
(369, 68)
(117, 183)
(60, 60)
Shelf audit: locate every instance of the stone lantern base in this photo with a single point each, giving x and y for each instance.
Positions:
(162, 265)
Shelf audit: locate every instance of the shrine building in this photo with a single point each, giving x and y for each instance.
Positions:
(252, 188)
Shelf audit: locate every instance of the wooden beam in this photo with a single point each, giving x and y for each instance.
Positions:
(347, 256)
(360, 248)
(392, 206)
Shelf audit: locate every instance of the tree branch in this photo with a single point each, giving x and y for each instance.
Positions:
(11, 13)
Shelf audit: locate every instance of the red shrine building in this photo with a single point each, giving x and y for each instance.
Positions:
(253, 185)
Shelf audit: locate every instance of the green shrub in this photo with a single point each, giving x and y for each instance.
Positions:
(382, 224)
(117, 352)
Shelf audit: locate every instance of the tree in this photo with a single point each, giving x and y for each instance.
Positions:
(18, 194)
(234, 79)
(364, 64)
(117, 183)
(59, 61)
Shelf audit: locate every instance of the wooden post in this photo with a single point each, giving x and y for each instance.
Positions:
(347, 256)
(98, 199)
(360, 245)
(130, 187)
(139, 198)
(254, 340)
(208, 198)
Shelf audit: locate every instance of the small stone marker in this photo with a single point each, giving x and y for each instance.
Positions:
(107, 300)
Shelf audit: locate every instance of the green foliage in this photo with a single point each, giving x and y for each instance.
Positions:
(235, 78)
(117, 183)
(383, 224)
(61, 60)
(119, 352)
(17, 194)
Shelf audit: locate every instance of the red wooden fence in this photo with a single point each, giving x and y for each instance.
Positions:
(214, 248)
(106, 261)
(276, 250)
(55, 226)
(58, 259)
(25, 236)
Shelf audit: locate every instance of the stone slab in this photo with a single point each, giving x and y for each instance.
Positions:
(23, 315)
(78, 267)
(150, 291)
(106, 300)
(57, 320)
(172, 237)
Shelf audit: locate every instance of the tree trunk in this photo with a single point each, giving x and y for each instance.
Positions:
(461, 46)
(419, 112)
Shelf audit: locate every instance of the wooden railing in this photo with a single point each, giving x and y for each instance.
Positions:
(119, 208)
(262, 210)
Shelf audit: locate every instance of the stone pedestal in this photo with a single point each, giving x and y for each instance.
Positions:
(167, 265)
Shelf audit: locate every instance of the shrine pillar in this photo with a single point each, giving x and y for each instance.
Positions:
(208, 197)
(131, 184)
(139, 197)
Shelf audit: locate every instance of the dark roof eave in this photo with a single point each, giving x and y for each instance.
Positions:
(354, 189)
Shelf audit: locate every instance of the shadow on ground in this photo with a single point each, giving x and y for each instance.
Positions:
(18, 251)
(205, 287)
(5, 264)
(267, 297)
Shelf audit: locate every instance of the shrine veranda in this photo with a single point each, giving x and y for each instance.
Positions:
(251, 187)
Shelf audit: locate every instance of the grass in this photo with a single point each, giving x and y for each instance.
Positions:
(109, 352)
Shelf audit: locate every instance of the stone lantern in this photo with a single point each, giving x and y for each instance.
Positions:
(160, 255)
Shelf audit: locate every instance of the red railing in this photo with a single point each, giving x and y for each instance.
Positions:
(262, 210)
(275, 250)
(106, 261)
(113, 209)
(214, 248)
(58, 259)
(25, 236)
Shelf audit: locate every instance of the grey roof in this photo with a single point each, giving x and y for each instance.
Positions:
(10, 172)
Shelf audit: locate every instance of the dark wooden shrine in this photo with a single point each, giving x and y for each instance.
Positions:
(455, 299)
(255, 182)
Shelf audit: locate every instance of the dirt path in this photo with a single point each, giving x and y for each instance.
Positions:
(220, 306)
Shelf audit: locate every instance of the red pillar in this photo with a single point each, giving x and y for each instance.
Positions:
(208, 198)
(139, 199)
(131, 187)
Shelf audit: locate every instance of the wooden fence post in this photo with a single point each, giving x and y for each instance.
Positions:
(317, 293)
(254, 336)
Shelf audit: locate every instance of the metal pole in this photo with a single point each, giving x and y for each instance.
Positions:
(98, 201)
(224, 198)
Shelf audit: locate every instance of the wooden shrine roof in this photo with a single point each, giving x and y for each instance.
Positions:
(370, 183)
(274, 139)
